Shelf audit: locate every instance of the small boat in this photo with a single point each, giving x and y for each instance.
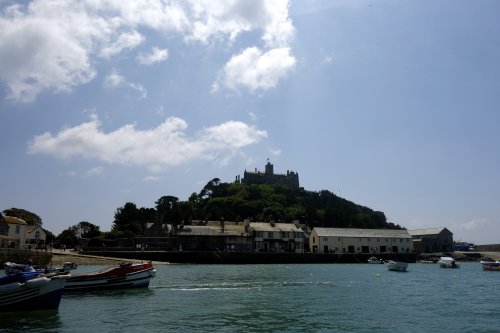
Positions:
(65, 268)
(375, 260)
(21, 271)
(448, 262)
(491, 265)
(122, 276)
(397, 266)
(68, 265)
(30, 290)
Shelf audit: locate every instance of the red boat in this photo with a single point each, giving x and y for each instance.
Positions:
(123, 276)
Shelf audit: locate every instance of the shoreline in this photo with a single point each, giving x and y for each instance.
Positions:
(59, 257)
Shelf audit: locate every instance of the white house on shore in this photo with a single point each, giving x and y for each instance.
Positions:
(353, 240)
(20, 235)
(277, 237)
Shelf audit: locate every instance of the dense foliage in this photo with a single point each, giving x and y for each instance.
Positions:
(236, 202)
(26, 216)
(228, 201)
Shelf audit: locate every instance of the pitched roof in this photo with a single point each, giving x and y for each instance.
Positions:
(33, 228)
(14, 220)
(275, 227)
(355, 232)
(429, 231)
(205, 230)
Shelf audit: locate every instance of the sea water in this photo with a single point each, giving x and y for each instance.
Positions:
(282, 298)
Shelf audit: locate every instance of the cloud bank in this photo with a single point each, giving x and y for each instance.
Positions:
(156, 149)
(49, 45)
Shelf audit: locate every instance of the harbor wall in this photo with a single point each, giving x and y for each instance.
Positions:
(41, 258)
(221, 257)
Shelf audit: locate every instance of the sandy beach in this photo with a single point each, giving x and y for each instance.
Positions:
(59, 257)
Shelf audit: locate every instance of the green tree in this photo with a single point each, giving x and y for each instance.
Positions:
(27, 216)
(86, 229)
(68, 238)
(127, 218)
(168, 211)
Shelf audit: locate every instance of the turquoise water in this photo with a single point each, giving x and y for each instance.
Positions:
(283, 298)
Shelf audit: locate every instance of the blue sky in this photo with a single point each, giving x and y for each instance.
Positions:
(390, 104)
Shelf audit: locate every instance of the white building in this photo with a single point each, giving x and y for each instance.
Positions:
(17, 232)
(35, 237)
(352, 240)
(277, 237)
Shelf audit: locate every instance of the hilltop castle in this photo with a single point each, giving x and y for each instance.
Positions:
(269, 177)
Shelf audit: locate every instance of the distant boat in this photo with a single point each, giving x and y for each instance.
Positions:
(491, 265)
(29, 289)
(397, 266)
(448, 262)
(375, 260)
(122, 276)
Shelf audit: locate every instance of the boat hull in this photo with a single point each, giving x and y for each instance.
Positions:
(397, 266)
(448, 262)
(36, 294)
(491, 265)
(120, 277)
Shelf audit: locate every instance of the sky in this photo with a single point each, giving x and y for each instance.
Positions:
(391, 104)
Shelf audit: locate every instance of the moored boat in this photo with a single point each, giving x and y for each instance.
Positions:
(491, 265)
(33, 290)
(122, 276)
(448, 262)
(375, 260)
(397, 266)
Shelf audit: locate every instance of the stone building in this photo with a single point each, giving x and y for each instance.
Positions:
(432, 240)
(291, 178)
(353, 240)
(277, 237)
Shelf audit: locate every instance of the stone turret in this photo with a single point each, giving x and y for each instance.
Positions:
(269, 177)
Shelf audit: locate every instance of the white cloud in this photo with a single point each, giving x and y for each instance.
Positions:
(473, 224)
(327, 59)
(217, 19)
(275, 152)
(156, 149)
(156, 55)
(53, 45)
(94, 172)
(116, 80)
(256, 70)
(39, 53)
(127, 40)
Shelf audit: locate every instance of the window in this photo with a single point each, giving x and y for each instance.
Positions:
(314, 239)
(37, 235)
(325, 239)
(18, 229)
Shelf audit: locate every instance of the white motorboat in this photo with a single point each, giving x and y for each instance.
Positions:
(397, 266)
(448, 262)
(375, 260)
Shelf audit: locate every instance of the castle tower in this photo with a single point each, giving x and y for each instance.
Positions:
(269, 169)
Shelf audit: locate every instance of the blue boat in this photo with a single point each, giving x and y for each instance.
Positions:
(23, 288)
